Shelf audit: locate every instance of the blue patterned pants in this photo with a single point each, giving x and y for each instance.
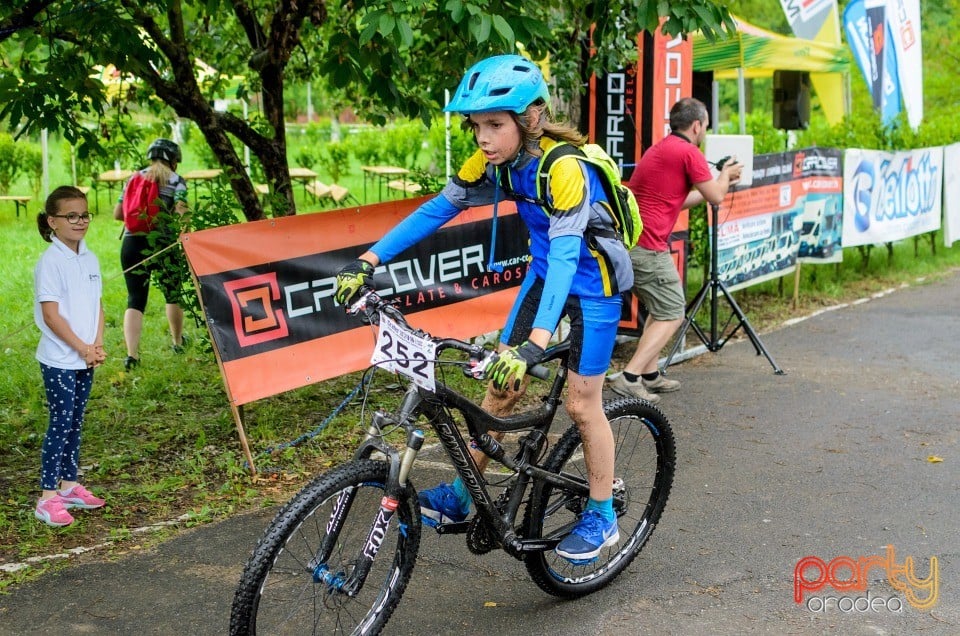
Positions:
(67, 392)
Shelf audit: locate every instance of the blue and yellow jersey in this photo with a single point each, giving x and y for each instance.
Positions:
(567, 251)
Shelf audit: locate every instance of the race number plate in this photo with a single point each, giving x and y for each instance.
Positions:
(406, 353)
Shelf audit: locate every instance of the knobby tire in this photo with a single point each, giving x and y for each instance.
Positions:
(644, 465)
(278, 593)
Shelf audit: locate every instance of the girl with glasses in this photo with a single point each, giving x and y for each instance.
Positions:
(69, 313)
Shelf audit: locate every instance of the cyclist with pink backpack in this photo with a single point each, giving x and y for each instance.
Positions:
(150, 192)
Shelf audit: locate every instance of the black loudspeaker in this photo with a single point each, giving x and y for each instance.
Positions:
(791, 100)
(703, 90)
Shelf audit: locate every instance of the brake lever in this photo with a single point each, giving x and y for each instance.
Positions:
(361, 307)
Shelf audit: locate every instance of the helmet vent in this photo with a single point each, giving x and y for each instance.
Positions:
(473, 80)
(500, 91)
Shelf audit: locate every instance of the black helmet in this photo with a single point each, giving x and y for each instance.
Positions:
(164, 149)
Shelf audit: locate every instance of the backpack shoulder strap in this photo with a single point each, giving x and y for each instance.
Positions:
(558, 151)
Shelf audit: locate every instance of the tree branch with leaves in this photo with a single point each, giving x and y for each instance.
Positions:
(383, 58)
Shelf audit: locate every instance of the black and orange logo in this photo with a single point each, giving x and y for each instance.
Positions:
(255, 319)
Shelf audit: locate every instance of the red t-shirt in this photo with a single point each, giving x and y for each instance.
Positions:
(662, 181)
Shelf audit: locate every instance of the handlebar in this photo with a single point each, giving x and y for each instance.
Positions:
(370, 304)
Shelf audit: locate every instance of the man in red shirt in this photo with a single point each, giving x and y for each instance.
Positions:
(672, 175)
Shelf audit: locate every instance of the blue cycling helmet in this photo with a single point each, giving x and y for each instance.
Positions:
(502, 82)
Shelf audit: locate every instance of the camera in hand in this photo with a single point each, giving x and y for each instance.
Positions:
(722, 162)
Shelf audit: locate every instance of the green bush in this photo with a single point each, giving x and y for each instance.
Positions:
(318, 132)
(31, 164)
(403, 143)
(306, 158)
(335, 159)
(462, 144)
(367, 147)
(85, 169)
(9, 162)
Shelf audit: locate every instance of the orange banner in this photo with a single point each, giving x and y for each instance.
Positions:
(672, 79)
(267, 289)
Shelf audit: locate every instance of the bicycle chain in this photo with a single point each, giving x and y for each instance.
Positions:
(481, 537)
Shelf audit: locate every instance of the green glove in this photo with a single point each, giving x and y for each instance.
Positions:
(350, 279)
(513, 363)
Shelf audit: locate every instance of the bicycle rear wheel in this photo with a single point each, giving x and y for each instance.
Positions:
(643, 470)
(293, 582)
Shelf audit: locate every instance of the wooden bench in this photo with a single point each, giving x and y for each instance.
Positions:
(318, 190)
(339, 194)
(18, 200)
(407, 187)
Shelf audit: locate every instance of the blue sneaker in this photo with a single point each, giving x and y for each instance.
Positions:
(591, 534)
(441, 505)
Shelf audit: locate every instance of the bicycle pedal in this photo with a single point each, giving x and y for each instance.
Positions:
(452, 528)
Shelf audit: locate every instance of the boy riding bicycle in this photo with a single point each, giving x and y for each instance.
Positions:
(579, 269)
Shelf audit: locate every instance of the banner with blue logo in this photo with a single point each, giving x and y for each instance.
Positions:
(889, 196)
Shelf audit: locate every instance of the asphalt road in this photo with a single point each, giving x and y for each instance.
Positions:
(830, 460)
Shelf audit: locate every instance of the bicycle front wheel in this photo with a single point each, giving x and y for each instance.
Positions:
(298, 579)
(643, 474)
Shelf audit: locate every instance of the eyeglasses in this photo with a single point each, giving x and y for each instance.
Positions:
(74, 218)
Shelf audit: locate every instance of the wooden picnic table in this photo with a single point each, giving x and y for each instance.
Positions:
(304, 176)
(112, 178)
(381, 174)
(197, 176)
(18, 200)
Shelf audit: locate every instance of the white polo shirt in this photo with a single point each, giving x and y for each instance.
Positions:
(72, 280)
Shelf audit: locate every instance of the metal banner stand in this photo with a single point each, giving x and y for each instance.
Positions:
(710, 288)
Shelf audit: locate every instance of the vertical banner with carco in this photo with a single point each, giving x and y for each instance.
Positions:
(763, 229)
(891, 196)
(267, 289)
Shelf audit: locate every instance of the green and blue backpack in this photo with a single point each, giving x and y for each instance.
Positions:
(622, 204)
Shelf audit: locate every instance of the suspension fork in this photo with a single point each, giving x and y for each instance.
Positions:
(389, 503)
(400, 467)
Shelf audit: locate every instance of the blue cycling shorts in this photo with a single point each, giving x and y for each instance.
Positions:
(593, 326)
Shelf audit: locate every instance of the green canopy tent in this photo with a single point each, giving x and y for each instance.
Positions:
(753, 52)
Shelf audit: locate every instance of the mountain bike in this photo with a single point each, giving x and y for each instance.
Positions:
(337, 557)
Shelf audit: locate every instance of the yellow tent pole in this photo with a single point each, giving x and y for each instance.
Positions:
(742, 98)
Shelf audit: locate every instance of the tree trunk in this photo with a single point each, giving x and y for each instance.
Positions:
(273, 155)
(214, 126)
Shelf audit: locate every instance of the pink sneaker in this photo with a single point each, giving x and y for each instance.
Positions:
(53, 512)
(80, 497)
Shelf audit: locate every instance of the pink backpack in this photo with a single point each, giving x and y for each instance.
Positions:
(141, 204)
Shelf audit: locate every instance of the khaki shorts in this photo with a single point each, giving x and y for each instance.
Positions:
(657, 283)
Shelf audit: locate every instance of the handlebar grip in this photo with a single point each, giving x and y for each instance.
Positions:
(539, 371)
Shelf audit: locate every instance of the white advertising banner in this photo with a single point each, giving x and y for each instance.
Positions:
(903, 17)
(889, 196)
(951, 194)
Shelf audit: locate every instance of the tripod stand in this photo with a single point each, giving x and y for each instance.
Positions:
(710, 288)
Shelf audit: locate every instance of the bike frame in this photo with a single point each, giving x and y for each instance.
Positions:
(434, 406)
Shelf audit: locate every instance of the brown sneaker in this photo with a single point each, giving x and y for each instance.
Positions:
(636, 389)
(662, 384)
